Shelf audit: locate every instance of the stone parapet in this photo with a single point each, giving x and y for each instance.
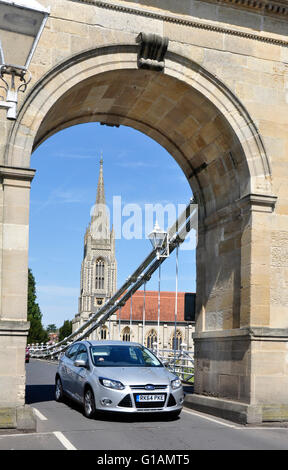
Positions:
(241, 413)
(20, 417)
(13, 412)
(244, 366)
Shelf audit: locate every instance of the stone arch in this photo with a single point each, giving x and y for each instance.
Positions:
(212, 137)
(219, 114)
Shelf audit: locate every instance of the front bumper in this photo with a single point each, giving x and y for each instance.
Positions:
(125, 400)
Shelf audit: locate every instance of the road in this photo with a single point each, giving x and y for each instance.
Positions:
(62, 426)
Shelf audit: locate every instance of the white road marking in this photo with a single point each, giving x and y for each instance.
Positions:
(39, 415)
(64, 441)
(200, 415)
(235, 426)
(266, 428)
(22, 434)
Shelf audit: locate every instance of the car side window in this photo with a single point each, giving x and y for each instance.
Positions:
(82, 353)
(71, 352)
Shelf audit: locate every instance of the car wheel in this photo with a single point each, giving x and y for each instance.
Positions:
(89, 403)
(58, 390)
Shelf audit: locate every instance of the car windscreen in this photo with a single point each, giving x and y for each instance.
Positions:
(123, 356)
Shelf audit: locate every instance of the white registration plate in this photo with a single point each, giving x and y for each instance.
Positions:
(145, 398)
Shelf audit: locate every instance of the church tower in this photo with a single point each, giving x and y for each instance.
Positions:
(99, 267)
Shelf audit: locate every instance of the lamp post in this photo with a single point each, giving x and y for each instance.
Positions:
(176, 305)
(144, 314)
(21, 25)
(159, 240)
(158, 320)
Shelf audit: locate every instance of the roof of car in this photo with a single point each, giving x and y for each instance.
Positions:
(110, 343)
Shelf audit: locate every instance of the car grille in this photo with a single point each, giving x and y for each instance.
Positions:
(142, 387)
(150, 404)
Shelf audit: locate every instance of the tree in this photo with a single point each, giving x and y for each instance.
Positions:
(65, 330)
(37, 334)
(52, 328)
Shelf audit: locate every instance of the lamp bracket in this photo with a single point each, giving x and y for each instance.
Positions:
(14, 72)
(10, 104)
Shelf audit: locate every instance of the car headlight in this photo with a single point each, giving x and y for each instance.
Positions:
(176, 383)
(109, 383)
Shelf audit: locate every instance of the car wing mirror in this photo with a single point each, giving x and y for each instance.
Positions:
(80, 363)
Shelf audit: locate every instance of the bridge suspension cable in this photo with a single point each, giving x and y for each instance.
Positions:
(158, 317)
(176, 305)
(176, 234)
(144, 313)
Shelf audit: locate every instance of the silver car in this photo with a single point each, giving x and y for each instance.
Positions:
(117, 376)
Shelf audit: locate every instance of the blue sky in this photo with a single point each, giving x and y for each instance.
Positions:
(137, 170)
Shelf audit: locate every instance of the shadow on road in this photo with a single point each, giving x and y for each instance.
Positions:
(133, 417)
(110, 416)
(39, 393)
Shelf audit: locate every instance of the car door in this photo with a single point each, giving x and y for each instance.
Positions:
(80, 373)
(67, 368)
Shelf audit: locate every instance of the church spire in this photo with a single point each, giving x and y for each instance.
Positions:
(100, 198)
(100, 222)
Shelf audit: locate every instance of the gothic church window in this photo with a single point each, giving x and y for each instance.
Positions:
(100, 270)
(176, 341)
(151, 338)
(126, 334)
(103, 332)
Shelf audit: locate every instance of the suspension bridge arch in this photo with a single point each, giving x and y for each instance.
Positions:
(213, 137)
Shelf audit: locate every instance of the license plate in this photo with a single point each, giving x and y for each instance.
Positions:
(145, 398)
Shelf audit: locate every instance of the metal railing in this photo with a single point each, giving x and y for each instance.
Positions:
(180, 361)
(47, 351)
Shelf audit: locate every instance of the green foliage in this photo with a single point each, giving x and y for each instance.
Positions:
(37, 334)
(65, 330)
(52, 328)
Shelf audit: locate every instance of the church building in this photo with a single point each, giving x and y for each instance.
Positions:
(138, 319)
(99, 268)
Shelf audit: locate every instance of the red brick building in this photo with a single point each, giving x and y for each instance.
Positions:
(167, 307)
(136, 323)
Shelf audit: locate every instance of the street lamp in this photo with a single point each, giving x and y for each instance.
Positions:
(159, 240)
(21, 25)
